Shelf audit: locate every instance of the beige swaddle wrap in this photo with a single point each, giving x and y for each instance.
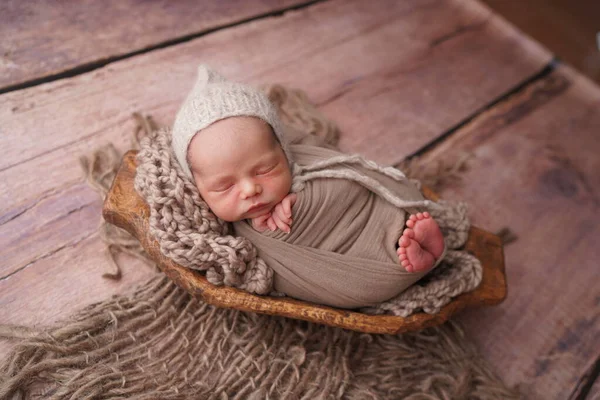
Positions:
(341, 250)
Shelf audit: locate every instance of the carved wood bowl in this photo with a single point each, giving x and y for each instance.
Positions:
(124, 208)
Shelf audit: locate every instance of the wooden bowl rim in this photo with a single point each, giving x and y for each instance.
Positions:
(120, 207)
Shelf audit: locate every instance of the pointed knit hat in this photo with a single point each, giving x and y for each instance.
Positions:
(214, 98)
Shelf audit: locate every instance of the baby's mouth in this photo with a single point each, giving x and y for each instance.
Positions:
(257, 207)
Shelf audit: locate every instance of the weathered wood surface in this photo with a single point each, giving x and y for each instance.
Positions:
(374, 98)
(535, 169)
(56, 122)
(394, 81)
(124, 208)
(594, 392)
(588, 386)
(44, 38)
(63, 281)
(371, 60)
(568, 28)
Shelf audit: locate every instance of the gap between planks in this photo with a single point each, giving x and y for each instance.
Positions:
(514, 92)
(521, 87)
(91, 66)
(527, 103)
(585, 386)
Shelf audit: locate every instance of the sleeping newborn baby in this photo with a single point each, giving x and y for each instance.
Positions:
(334, 228)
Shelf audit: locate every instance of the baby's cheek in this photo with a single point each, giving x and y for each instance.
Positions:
(281, 190)
(229, 205)
(222, 207)
(272, 184)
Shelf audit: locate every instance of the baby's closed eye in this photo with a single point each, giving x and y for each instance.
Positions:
(266, 170)
(222, 188)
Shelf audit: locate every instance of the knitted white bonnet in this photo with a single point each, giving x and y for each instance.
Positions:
(214, 98)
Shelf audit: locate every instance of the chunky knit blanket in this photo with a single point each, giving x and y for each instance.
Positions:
(190, 234)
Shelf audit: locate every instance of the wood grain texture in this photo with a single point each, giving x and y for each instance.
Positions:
(381, 72)
(56, 222)
(42, 38)
(394, 76)
(594, 393)
(62, 282)
(588, 386)
(365, 61)
(535, 169)
(567, 28)
(126, 209)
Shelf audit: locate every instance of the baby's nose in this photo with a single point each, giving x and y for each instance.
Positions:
(251, 189)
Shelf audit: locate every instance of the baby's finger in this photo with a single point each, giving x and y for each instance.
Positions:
(287, 207)
(280, 213)
(281, 224)
(260, 223)
(288, 202)
(293, 197)
(271, 224)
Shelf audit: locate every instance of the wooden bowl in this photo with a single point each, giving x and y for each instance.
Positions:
(124, 208)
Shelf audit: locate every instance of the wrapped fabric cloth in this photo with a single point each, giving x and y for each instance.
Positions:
(341, 251)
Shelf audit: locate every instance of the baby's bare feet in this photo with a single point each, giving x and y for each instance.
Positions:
(412, 256)
(427, 233)
(421, 243)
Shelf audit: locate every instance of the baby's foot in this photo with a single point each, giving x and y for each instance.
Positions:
(412, 256)
(427, 233)
(421, 243)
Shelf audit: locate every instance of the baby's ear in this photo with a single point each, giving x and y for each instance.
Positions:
(207, 75)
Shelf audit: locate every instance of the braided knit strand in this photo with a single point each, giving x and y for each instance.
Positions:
(185, 228)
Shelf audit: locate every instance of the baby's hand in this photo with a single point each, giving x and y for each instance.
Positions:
(280, 217)
(260, 223)
(282, 213)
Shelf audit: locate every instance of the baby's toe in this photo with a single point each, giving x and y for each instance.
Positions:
(409, 233)
(404, 242)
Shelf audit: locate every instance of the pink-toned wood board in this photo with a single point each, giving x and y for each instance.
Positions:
(534, 169)
(44, 38)
(395, 77)
(58, 121)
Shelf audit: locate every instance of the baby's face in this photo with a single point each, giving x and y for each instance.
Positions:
(239, 168)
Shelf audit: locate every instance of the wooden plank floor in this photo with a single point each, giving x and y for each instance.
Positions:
(534, 165)
(426, 77)
(568, 28)
(65, 38)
